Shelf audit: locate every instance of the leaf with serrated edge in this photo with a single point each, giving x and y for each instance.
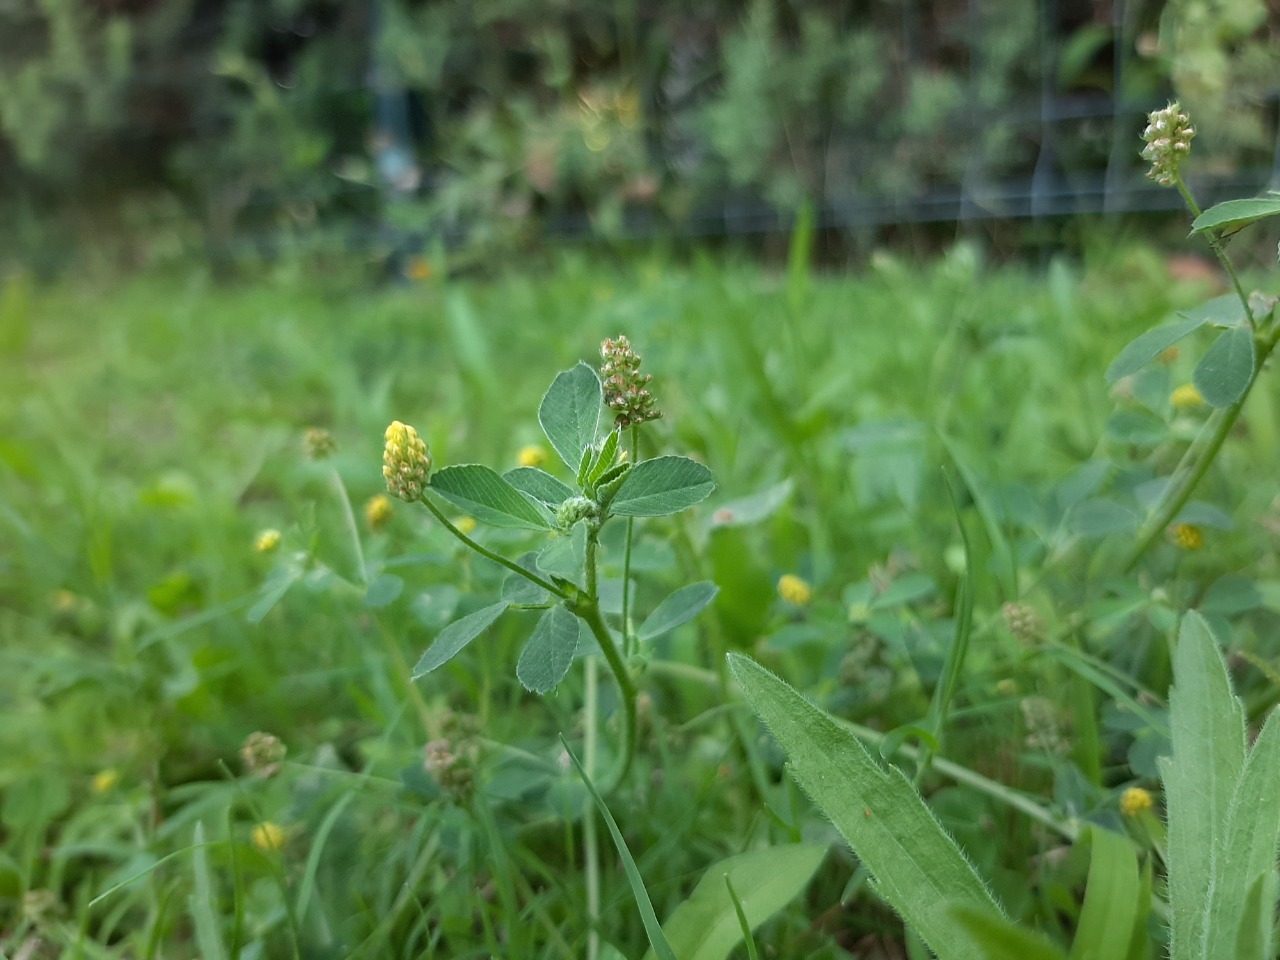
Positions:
(662, 486)
(679, 607)
(1223, 373)
(1207, 731)
(918, 867)
(482, 492)
(455, 636)
(570, 413)
(548, 653)
(705, 926)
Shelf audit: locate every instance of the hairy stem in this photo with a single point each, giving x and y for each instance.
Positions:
(627, 640)
(1219, 251)
(588, 608)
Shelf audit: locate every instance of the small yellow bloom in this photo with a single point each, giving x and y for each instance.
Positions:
(267, 540)
(268, 837)
(104, 781)
(64, 601)
(377, 511)
(532, 456)
(1187, 536)
(465, 524)
(406, 462)
(1007, 687)
(419, 268)
(794, 590)
(1186, 397)
(1134, 801)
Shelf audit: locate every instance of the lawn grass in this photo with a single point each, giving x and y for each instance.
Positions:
(151, 428)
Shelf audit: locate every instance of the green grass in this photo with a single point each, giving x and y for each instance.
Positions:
(149, 429)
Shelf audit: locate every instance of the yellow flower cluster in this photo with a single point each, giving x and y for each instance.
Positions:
(794, 590)
(268, 837)
(377, 511)
(1187, 536)
(1134, 801)
(1186, 397)
(532, 456)
(406, 463)
(267, 540)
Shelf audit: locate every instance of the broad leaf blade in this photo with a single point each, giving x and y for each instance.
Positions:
(1224, 372)
(566, 556)
(1234, 214)
(706, 927)
(1224, 311)
(539, 484)
(1207, 729)
(1002, 939)
(1147, 347)
(662, 486)
(680, 607)
(548, 654)
(918, 867)
(487, 496)
(455, 636)
(1111, 903)
(570, 413)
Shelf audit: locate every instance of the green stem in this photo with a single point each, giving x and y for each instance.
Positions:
(1215, 243)
(350, 517)
(626, 559)
(590, 840)
(496, 558)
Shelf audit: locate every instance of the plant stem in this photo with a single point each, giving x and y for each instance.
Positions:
(626, 559)
(496, 558)
(350, 517)
(590, 840)
(1215, 243)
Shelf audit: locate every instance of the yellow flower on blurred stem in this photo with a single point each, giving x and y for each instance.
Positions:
(377, 511)
(1134, 801)
(1187, 536)
(406, 462)
(267, 540)
(1186, 397)
(465, 524)
(268, 837)
(104, 781)
(532, 456)
(794, 590)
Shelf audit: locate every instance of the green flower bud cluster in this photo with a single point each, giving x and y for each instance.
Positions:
(575, 509)
(1168, 137)
(406, 462)
(626, 389)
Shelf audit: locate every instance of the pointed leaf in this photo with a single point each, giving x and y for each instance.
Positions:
(487, 496)
(662, 486)
(539, 484)
(1224, 311)
(1224, 372)
(570, 413)
(1234, 214)
(607, 456)
(1001, 939)
(918, 868)
(455, 636)
(706, 927)
(566, 555)
(1111, 899)
(1145, 349)
(382, 590)
(548, 654)
(1207, 727)
(680, 607)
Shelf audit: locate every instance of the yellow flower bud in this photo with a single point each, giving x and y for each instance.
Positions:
(466, 525)
(267, 540)
(377, 511)
(104, 781)
(794, 590)
(406, 463)
(1134, 801)
(1187, 536)
(532, 456)
(1186, 397)
(268, 837)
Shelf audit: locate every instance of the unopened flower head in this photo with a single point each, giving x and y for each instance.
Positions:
(406, 464)
(1023, 622)
(262, 753)
(1168, 137)
(266, 540)
(465, 524)
(1134, 801)
(532, 456)
(1187, 536)
(104, 781)
(626, 389)
(377, 511)
(319, 443)
(1186, 397)
(794, 589)
(268, 837)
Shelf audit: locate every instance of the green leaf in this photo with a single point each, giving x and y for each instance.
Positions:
(1234, 214)
(1256, 933)
(918, 868)
(455, 636)
(382, 590)
(1224, 372)
(1148, 346)
(548, 654)
(202, 902)
(661, 948)
(273, 590)
(680, 607)
(570, 413)
(662, 486)
(518, 589)
(705, 926)
(1224, 311)
(566, 556)
(1111, 899)
(753, 508)
(483, 493)
(1207, 730)
(1001, 939)
(1099, 517)
(539, 484)
(1248, 850)
(606, 458)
